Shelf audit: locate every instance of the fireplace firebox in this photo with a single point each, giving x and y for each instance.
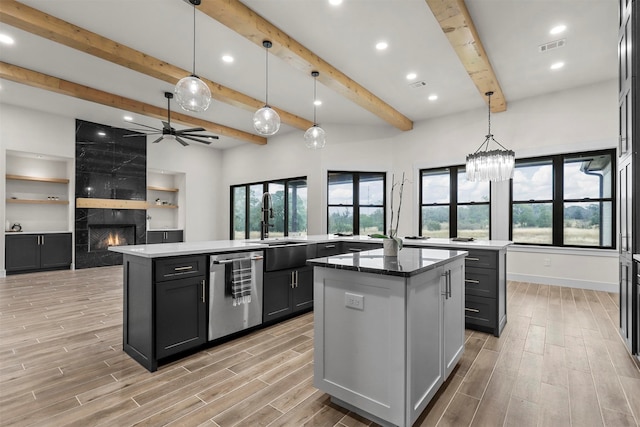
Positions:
(101, 236)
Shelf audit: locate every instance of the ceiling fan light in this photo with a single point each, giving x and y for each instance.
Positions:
(192, 94)
(315, 137)
(266, 121)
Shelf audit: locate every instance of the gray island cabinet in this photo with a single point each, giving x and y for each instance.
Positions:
(388, 330)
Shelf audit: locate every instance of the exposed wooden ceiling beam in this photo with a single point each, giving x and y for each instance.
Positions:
(455, 21)
(64, 87)
(244, 21)
(36, 22)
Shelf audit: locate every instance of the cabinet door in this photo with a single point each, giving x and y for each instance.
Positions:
(626, 301)
(173, 236)
(276, 293)
(453, 314)
(55, 250)
(303, 291)
(155, 237)
(22, 252)
(180, 315)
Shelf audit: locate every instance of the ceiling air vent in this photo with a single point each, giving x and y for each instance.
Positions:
(418, 84)
(552, 45)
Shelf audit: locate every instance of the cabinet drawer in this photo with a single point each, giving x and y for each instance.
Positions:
(359, 246)
(481, 282)
(484, 259)
(480, 311)
(328, 249)
(177, 268)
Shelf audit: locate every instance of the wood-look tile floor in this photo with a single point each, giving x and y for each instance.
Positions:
(559, 362)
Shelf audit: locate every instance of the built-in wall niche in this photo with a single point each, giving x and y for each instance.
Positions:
(38, 192)
(165, 200)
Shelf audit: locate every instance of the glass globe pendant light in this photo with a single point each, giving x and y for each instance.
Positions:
(192, 94)
(266, 120)
(315, 137)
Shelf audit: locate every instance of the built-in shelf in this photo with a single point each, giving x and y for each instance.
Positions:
(39, 179)
(110, 203)
(172, 190)
(39, 202)
(153, 205)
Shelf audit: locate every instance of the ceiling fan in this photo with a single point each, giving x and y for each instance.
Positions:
(169, 132)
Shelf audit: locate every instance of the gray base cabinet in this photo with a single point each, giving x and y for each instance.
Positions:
(170, 236)
(165, 303)
(37, 252)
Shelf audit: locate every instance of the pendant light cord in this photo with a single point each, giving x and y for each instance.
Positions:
(266, 86)
(315, 81)
(194, 39)
(489, 120)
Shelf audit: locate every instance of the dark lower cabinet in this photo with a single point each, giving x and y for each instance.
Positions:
(286, 292)
(181, 318)
(169, 236)
(37, 252)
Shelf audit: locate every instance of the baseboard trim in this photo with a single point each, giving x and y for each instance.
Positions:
(559, 281)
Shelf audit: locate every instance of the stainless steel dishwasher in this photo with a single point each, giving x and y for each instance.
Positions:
(227, 316)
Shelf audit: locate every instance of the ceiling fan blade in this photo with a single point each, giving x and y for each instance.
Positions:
(159, 139)
(140, 124)
(190, 130)
(201, 140)
(181, 141)
(166, 125)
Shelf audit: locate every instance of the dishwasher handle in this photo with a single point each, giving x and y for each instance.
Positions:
(229, 261)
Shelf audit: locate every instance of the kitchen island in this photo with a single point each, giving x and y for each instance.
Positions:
(388, 330)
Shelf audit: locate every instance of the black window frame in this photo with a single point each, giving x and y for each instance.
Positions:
(356, 198)
(557, 221)
(453, 198)
(265, 188)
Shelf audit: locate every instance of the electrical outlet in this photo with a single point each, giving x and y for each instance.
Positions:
(354, 301)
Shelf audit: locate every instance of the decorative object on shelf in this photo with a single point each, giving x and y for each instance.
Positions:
(314, 137)
(266, 120)
(169, 132)
(16, 227)
(192, 94)
(490, 165)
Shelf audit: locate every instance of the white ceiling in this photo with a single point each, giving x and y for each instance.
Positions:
(344, 36)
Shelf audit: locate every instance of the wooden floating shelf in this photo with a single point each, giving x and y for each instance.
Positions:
(172, 190)
(110, 203)
(35, 178)
(153, 205)
(39, 202)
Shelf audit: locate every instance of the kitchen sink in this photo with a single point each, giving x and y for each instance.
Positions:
(283, 255)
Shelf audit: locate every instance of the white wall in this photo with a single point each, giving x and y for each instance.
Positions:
(574, 120)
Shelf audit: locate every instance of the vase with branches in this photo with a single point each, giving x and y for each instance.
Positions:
(392, 243)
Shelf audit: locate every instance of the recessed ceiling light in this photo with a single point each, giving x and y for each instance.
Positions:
(382, 45)
(227, 58)
(335, 2)
(433, 97)
(128, 118)
(558, 29)
(411, 76)
(102, 133)
(557, 65)
(317, 102)
(5, 39)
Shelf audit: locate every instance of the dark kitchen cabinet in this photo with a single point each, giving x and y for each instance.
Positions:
(181, 319)
(348, 247)
(628, 172)
(329, 249)
(37, 252)
(165, 307)
(287, 292)
(169, 236)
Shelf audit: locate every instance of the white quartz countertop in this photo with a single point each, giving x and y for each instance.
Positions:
(636, 257)
(217, 246)
(14, 233)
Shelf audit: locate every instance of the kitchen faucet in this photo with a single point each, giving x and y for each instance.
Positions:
(267, 212)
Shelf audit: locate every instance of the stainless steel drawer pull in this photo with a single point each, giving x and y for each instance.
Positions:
(329, 246)
(355, 250)
(473, 259)
(473, 310)
(475, 282)
(229, 261)
(189, 267)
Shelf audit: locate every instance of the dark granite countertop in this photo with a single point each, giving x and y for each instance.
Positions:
(409, 262)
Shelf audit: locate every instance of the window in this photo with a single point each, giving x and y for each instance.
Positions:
(356, 202)
(451, 206)
(564, 200)
(289, 203)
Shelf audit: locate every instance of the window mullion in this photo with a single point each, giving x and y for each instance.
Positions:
(453, 201)
(558, 201)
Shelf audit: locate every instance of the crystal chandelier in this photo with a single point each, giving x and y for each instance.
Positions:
(192, 94)
(314, 137)
(490, 165)
(266, 120)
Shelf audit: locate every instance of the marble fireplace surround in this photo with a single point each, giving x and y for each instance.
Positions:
(111, 188)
